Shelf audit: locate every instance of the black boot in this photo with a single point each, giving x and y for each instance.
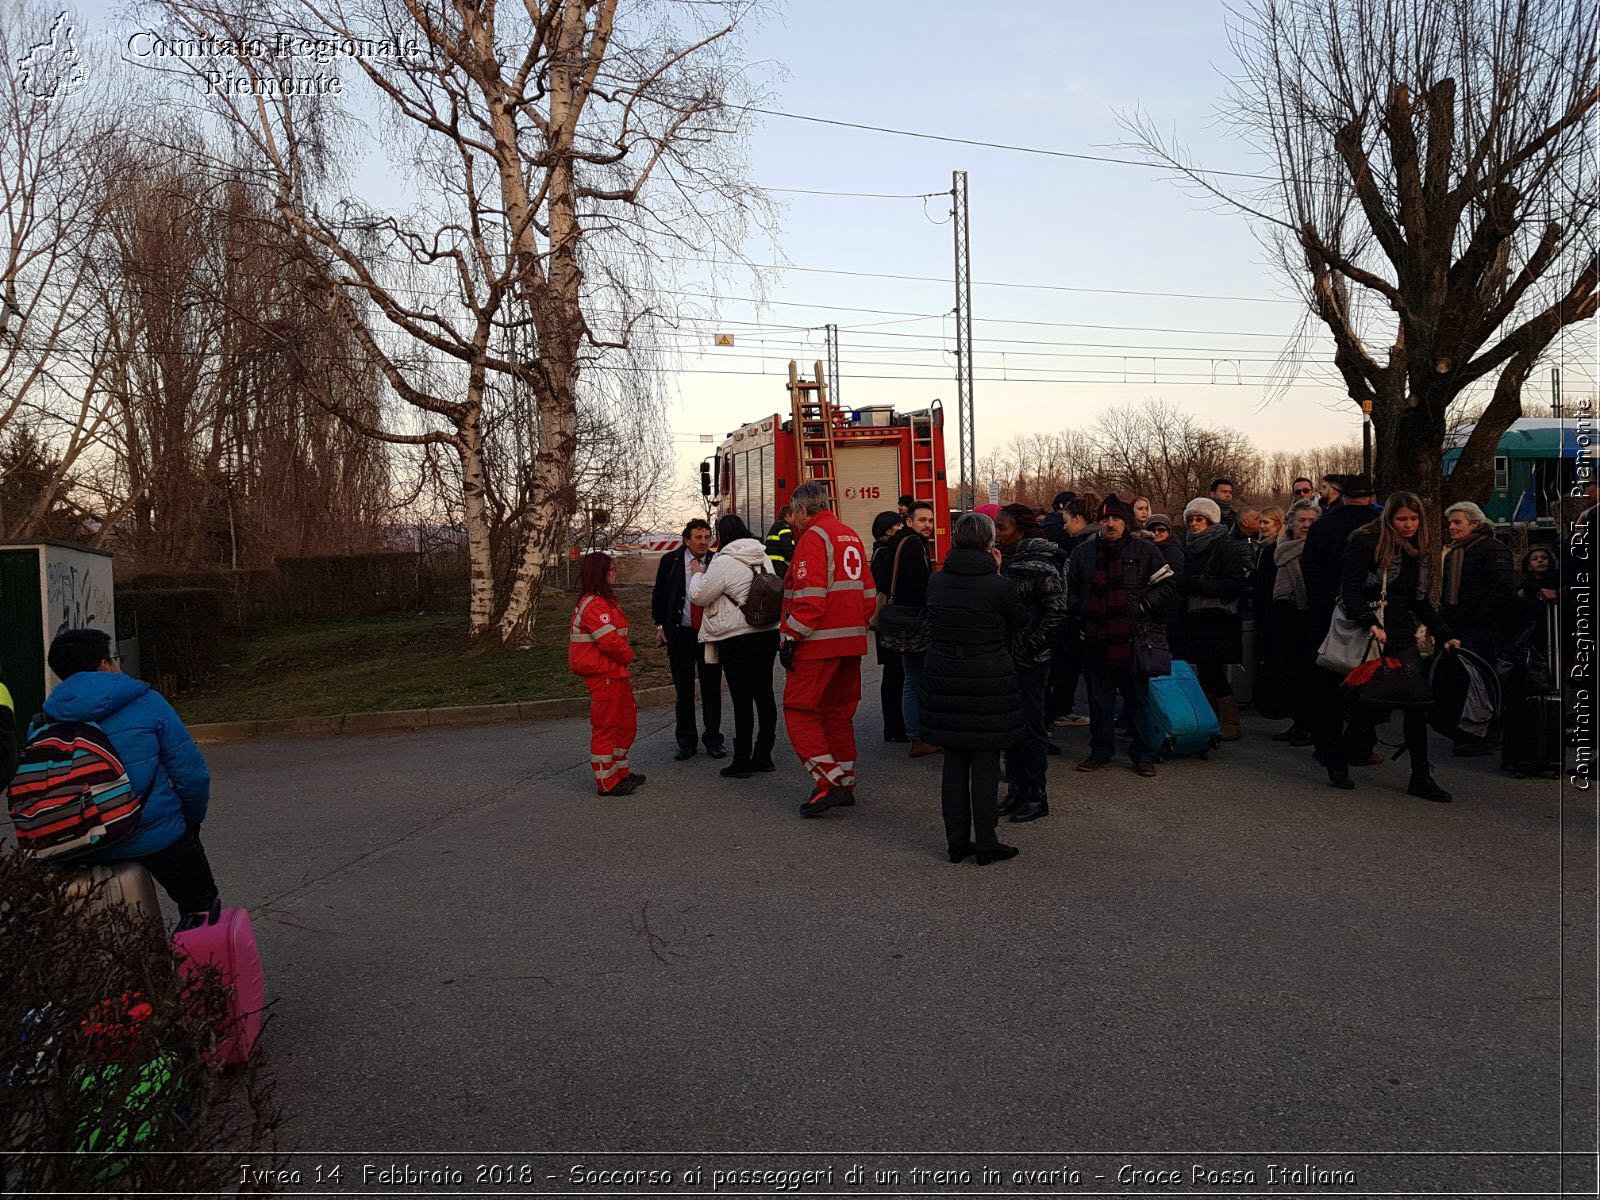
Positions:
(1010, 804)
(1031, 811)
(761, 756)
(1338, 770)
(1423, 787)
(993, 854)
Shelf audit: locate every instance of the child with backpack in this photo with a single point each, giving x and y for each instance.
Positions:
(742, 599)
(109, 774)
(598, 650)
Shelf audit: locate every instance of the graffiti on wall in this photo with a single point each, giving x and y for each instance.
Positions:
(78, 596)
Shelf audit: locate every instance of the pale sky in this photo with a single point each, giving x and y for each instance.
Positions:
(1048, 74)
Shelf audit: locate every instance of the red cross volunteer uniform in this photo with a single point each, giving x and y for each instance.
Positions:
(828, 596)
(598, 650)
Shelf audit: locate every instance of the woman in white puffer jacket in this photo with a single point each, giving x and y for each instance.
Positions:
(745, 651)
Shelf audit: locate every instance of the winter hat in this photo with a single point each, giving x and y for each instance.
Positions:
(989, 510)
(1206, 507)
(1355, 485)
(1114, 506)
(885, 521)
(1158, 519)
(1062, 500)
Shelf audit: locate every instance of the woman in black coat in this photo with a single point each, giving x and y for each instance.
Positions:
(1216, 570)
(971, 705)
(892, 686)
(1394, 547)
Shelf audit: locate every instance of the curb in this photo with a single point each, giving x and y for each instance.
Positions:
(401, 719)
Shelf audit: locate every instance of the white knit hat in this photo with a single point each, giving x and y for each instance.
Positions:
(1209, 509)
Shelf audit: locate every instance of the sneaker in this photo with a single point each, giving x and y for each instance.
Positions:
(626, 788)
(1071, 721)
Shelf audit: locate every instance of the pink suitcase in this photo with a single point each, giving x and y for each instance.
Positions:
(229, 944)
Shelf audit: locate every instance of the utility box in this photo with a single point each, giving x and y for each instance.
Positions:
(47, 588)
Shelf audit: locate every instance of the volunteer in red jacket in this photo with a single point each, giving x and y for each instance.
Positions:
(599, 651)
(828, 595)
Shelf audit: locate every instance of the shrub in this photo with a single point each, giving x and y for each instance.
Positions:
(181, 631)
(105, 1054)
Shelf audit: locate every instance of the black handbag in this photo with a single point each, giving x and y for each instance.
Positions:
(1389, 683)
(900, 626)
(1152, 656)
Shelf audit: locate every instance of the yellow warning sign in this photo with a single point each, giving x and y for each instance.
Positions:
(724, 339)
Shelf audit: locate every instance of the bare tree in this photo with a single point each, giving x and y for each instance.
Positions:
(553, 145)
(52, 194)
(1436, 199)
(1159, 451)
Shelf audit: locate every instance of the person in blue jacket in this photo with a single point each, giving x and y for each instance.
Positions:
(162, 762)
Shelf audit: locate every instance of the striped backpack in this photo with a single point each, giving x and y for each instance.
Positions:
(70, 795)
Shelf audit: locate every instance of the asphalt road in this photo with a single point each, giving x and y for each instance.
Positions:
(466, 948)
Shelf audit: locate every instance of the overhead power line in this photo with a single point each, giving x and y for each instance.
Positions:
(964, 141)
(857, 195)
(998, 283)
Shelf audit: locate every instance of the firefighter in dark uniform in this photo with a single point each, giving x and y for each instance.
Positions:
(780, 541)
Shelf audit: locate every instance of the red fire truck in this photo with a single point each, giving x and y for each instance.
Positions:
(868, 457)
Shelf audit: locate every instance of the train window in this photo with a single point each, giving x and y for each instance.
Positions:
(1502, 473)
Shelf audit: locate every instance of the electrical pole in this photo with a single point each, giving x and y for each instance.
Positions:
(967, 440)
(1366, 438)
(834, 390)
(1555, 392)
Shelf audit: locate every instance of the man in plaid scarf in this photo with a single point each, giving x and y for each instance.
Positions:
(1117, 584)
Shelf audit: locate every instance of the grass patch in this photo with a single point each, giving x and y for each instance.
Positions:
(408, 660)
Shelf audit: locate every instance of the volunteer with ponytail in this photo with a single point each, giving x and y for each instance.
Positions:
(598, 650)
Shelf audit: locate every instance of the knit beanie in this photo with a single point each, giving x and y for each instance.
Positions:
(1206, 507)
(1114, 506)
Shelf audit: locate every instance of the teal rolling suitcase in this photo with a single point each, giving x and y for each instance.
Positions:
(1178, 721)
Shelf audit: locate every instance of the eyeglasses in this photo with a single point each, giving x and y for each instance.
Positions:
(1302, 491)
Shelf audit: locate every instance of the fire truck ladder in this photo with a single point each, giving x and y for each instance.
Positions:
(922, 461)
(813, 429)
(923, 465)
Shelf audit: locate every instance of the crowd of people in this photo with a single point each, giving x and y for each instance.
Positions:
(984, 653)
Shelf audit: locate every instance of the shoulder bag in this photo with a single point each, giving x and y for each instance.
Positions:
(1348, 645)
(900, 626)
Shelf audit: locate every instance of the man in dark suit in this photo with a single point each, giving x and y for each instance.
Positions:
(678, 629)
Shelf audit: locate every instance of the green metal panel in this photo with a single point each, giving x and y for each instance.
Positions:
(22, 630)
